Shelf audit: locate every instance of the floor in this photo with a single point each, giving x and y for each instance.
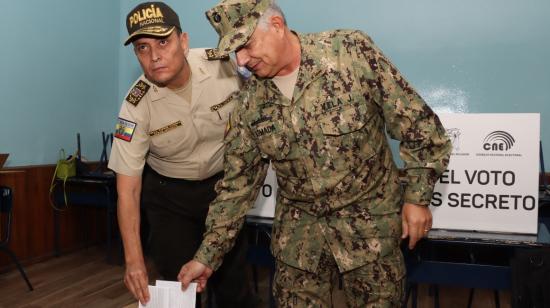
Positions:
(84, 279)
(81, 279)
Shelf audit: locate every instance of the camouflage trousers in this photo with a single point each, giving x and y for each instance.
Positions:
(380, 283)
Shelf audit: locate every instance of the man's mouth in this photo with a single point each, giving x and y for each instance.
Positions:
(158, 68)
(254, 67)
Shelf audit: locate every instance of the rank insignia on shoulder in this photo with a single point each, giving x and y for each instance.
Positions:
(125, 129)
(137, 92)
(214, 54)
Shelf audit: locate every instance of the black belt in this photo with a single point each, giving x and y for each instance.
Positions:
(150, 171)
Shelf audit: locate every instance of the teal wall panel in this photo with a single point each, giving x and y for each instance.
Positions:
(58, 76)
(63, 68)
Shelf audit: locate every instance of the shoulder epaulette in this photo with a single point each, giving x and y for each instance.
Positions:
(214, 54)
(137, 92)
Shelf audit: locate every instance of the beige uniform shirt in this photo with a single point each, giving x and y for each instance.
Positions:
(177, 138)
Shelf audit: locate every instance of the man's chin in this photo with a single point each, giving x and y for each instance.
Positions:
(261, 74)
(160, 84)
(157, 82)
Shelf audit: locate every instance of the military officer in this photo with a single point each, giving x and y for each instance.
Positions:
(168, 151)
(317, 107)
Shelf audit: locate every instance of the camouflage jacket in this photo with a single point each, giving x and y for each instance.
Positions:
(337, 180)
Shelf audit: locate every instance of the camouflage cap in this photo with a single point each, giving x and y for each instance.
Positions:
(235, 21)
(151, 19)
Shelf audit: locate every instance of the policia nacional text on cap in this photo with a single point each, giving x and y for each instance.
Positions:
(151, 19)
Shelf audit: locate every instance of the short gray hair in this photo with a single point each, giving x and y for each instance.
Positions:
(272, 10)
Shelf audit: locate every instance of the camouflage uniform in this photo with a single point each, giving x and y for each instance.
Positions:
(339, 193)
(338, 185)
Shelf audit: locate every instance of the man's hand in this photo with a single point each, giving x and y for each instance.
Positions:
(417, 221)
(137, 281)
(194, 271)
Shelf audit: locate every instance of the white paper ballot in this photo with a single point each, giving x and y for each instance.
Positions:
(168, 294)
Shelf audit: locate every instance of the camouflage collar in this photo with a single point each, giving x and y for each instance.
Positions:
(311, 66)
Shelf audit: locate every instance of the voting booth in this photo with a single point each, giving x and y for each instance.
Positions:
(491, 183)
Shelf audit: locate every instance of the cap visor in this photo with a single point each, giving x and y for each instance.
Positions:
(156, 31)
(235, 39)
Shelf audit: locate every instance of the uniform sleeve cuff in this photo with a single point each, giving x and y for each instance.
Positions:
(208, 257)
(420, 185)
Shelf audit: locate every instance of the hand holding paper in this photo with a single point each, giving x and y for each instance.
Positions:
(196, 272)
(136, 280)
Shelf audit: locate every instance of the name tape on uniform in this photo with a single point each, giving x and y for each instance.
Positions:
(166, 128)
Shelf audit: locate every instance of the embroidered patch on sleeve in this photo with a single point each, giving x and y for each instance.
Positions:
(137, 92)
(125, 129)
(166, 128)
(214, 54)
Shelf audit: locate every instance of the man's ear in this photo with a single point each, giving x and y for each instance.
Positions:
(278, 23)
(184, 40)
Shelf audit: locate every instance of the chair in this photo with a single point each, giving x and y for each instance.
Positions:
(92, 190)
(6, 205)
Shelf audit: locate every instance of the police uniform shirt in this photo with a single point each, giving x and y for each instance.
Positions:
(177, 138)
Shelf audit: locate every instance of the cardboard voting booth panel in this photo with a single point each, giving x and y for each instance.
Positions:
(265, 204)
(491, 183)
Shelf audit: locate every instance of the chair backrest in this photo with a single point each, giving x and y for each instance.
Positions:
(6, 204)
(6, 201)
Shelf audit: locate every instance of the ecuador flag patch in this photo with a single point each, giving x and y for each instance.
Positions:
(125, 129)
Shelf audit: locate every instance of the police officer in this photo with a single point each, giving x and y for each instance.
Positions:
(168, 151)
(317, 107)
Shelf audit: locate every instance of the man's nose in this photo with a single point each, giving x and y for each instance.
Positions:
(242, 57)
(155, 55)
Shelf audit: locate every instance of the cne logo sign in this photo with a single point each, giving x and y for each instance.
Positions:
(498, 141)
